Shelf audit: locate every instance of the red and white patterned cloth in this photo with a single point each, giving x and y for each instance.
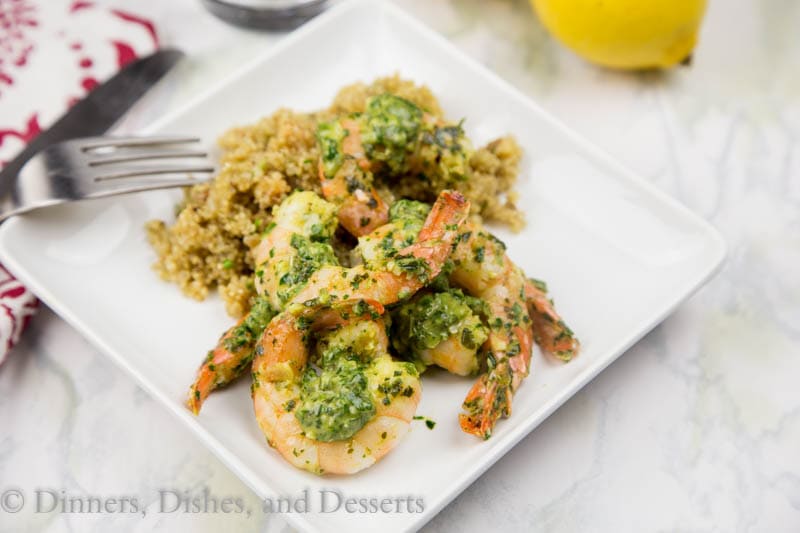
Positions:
(52, 53)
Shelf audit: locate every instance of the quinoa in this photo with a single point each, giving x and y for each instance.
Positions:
(208, 246)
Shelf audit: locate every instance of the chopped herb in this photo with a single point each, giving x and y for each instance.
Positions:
(428, 422)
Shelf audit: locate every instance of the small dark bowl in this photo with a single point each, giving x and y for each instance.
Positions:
(265, 18)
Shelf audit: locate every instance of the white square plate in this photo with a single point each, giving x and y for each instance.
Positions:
(617, 254)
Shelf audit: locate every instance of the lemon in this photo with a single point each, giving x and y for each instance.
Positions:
(625, 34)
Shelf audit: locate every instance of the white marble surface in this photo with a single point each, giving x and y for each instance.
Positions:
(696, 428)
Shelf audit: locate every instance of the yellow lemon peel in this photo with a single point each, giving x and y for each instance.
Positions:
(625, 34)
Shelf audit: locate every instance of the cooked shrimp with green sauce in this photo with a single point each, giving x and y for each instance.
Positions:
(441, 328)
(350, 244)
(352, 408)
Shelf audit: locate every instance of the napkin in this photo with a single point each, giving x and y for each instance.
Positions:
(52, 53)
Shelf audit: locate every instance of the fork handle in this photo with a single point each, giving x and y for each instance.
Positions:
(27, 193)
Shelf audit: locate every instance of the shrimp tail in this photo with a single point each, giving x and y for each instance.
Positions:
(487, 401)
(549, 330)
(490, 397)
(441, 226)
(448, 212)
(232, 355)
(221, 366)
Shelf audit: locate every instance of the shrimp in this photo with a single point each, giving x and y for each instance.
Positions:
(436, 327)
(351, 412)
(392, 139)
(295, 245)
(440, 328)
(406, 218)
(446, 328)
(549, 331)
(519, 311)
(484, 270)
(346, 177)
(405, 272)
(232, 355)
(409, 270)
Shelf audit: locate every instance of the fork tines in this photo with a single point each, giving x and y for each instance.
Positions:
(94, 143)
(125, 157)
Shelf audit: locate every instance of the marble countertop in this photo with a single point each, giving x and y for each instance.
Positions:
(695, 428)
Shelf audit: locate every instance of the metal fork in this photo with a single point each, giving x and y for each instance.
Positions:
(96, 167)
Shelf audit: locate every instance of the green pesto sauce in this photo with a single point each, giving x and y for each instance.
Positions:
(446, 152)
(406, 218)
(336, 401)
(307, 214)
(409, 212)
(329, 138)
(427, 320)
(318, 232)
(395, 384)
(415, 266)
(449, 137)
(441, 283)
(398, 142)
(310, 257)
(391, 131)
(253, 325)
